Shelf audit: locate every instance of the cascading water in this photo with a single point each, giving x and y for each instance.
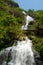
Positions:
(28, 20)
(21, 54)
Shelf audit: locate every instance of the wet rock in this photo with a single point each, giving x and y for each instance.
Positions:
(21, 38)
(37, 58)
(32, 37)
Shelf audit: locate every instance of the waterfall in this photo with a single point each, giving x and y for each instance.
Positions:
(28, 20)
(21, 54)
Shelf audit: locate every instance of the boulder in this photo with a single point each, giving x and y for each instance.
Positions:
(37, 58)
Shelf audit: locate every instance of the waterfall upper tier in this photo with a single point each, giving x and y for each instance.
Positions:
(28, 19)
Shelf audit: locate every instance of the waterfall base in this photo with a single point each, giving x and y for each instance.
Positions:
(21, 54)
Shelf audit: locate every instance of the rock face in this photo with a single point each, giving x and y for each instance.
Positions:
(37, 58)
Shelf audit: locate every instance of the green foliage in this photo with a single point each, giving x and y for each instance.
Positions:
(37, 15)
(9, 30)
(38, 45)
(36, 30)
(11, 19)
(10, 3)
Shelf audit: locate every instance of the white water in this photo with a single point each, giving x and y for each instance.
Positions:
(28, 20)
(21, 54)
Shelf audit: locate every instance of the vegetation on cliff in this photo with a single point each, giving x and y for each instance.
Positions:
(36, 30)
(11, 20)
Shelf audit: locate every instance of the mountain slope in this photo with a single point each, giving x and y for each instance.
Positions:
(11, 19)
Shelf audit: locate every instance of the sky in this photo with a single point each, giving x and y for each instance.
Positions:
(30, 4)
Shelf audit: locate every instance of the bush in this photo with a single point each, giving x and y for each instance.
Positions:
(38, 45)
(9, 31)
